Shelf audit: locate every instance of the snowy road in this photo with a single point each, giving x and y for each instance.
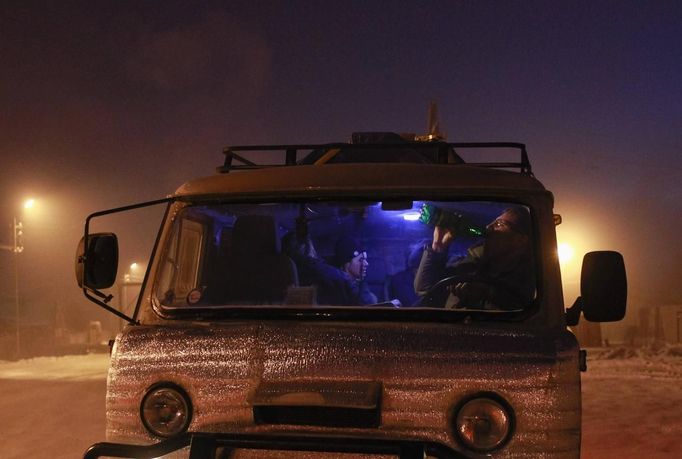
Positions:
(632, 406)
(53, 407)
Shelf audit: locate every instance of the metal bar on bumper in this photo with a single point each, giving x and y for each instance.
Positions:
(204, 446)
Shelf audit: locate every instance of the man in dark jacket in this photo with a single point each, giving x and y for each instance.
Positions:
(497, 274)
(341, 283)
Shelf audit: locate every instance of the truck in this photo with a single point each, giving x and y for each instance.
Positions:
(285, 310)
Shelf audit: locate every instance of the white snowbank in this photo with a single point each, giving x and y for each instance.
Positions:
(654, 351)
(70, 367)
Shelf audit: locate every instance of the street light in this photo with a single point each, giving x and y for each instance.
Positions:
(17, 247)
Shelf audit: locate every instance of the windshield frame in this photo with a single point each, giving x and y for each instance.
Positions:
(379, 312)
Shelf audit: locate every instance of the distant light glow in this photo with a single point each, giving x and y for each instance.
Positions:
(411, 216)
(135, 272)
(566, 252)
(29, 203)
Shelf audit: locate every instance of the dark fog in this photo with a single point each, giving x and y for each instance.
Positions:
(105, 105)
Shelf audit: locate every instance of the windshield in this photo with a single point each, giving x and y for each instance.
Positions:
(395, 254)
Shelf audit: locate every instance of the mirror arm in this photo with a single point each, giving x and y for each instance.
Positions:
(104, 304)
(573, 313)
(81, 259)
(104, 296)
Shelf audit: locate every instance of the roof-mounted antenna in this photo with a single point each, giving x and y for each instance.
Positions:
(433, 128)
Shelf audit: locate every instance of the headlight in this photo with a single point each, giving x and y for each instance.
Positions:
(166, 410)
(483, 424)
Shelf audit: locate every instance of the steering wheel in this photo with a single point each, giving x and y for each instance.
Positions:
(436, 289)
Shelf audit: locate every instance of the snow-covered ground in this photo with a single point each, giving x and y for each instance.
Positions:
(632, 404)
(53, 407)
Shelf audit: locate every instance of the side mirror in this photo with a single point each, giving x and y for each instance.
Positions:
(603, 289)
(96, 266)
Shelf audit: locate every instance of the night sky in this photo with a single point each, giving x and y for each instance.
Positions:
(109, 103)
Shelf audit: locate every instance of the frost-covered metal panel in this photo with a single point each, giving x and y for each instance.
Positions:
(425, 371)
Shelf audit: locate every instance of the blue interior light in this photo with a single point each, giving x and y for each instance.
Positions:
(411, 216)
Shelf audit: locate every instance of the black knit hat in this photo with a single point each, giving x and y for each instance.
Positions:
(346, 249)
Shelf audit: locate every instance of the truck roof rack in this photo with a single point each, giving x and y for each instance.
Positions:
(421, 152)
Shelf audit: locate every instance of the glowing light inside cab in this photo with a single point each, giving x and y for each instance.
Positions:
(411, 216)
(566, 252)
(29, 203)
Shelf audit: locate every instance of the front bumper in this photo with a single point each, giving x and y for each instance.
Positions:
(207, 445)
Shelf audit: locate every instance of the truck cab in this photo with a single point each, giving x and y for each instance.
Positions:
(352, 299)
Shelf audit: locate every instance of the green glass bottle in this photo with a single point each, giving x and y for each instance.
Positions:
(435, 216)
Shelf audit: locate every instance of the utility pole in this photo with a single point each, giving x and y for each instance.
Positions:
(17, 247)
